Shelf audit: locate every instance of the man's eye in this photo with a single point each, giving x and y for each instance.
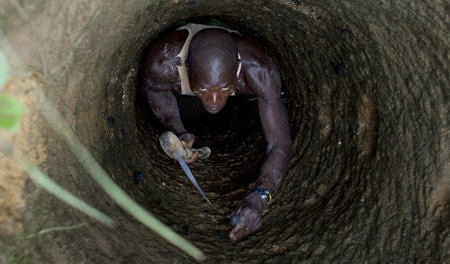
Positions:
(225, 88)
(202, 89)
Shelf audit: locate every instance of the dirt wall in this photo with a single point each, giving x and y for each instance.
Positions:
(366, 87)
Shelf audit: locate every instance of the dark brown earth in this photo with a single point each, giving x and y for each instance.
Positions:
(366, 85)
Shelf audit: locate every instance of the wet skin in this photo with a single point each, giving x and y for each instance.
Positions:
(259, 76)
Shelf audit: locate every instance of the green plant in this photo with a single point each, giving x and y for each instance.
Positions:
(10, 110)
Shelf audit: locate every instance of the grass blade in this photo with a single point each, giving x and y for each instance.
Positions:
(58, 228)
(98, 173)
(52, 187)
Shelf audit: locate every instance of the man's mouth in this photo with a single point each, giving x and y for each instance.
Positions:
(213, 109)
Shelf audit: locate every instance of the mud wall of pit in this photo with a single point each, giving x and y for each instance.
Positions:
(366, 87)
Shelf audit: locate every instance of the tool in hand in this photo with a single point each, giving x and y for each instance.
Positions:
(172, 146)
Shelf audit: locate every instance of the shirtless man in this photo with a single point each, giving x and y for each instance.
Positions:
(214, 63)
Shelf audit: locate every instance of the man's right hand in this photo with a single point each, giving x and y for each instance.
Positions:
(187, 140)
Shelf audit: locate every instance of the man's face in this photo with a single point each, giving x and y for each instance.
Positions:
(214, 94)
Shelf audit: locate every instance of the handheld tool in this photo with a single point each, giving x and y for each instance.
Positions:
(172, 146)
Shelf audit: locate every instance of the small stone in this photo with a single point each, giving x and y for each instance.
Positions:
(122, 136)
(186, 228)
(339, 69)
(317, 196)
(296, 2)
(345, 31)
(111, 120)
(190, 2)
(277, 250)
(138, 177)
(206, 215)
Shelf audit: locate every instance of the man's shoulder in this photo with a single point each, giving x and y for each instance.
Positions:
(260, 71)
(166, 48)
(161, 59)
(250, 49)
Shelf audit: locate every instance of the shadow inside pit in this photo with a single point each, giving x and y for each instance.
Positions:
(234, 135)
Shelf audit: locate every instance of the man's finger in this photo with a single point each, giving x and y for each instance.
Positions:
(241, 228)
(247, 221)
(234, 219)
(192, 158)
(188, 143)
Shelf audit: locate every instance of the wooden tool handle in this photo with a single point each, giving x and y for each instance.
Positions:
(172, 146)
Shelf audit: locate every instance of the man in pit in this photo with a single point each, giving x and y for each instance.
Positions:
(213, 63)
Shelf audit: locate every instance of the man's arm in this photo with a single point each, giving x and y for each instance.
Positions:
(262, 77)
(165, 107)
(160, 77)
(275, 123)
(265, 82)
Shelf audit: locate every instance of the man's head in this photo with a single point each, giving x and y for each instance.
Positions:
(213, 64)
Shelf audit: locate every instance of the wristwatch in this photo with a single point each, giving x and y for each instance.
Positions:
(264, 196)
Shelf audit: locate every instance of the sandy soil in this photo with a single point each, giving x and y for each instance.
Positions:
(27, 141)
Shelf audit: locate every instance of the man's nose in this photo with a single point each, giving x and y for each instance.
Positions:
(213, 98)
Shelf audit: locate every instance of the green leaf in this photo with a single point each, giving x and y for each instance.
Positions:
(4, 70)
(10, 110)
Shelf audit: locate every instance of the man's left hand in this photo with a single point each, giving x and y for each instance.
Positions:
(248, 215)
